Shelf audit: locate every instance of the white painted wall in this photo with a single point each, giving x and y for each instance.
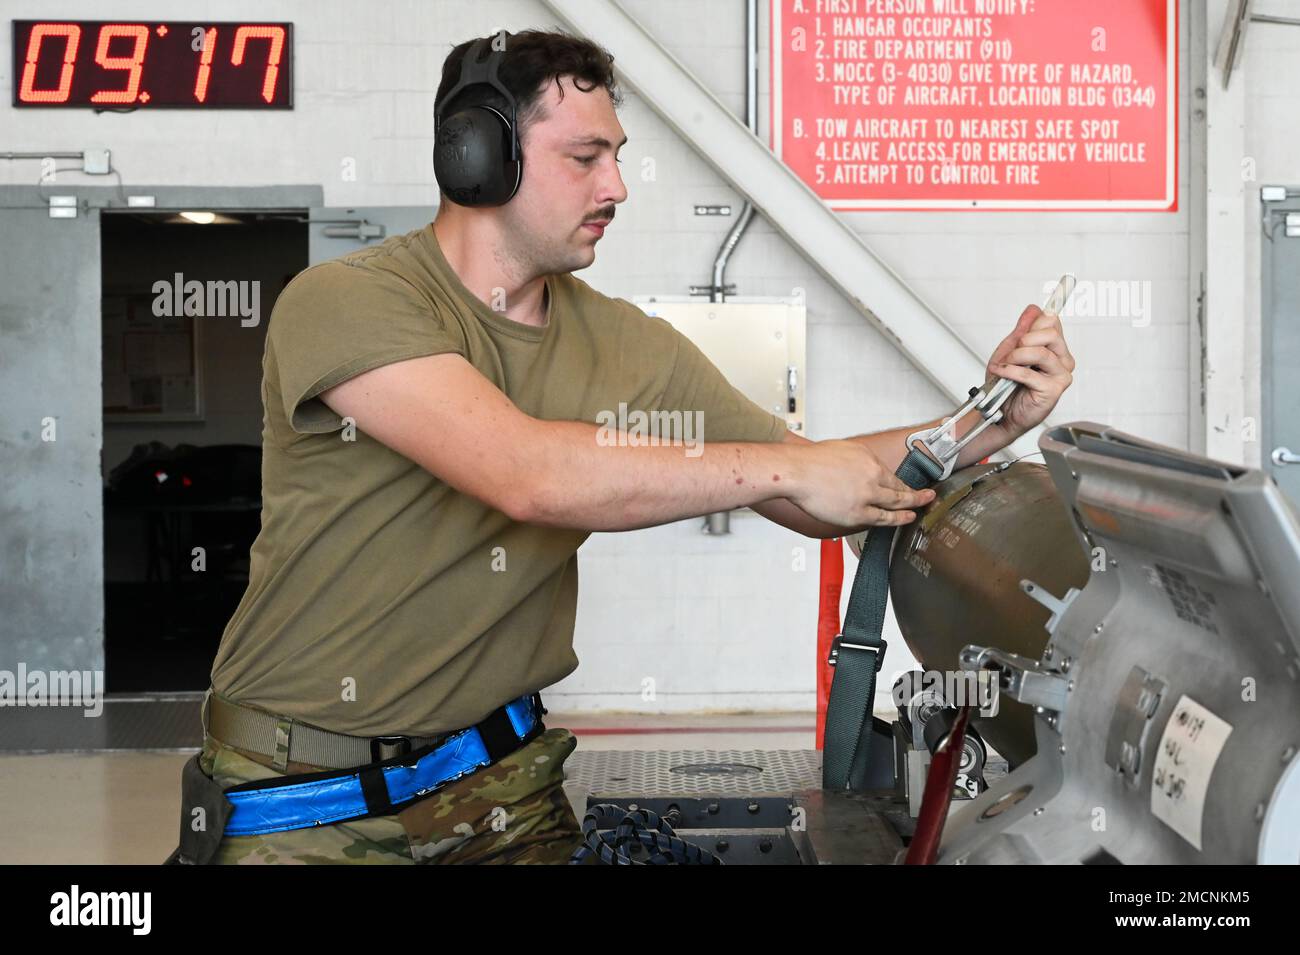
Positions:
(717, 623)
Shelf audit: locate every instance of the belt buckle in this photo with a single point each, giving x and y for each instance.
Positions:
(839, 640)
(380, 747)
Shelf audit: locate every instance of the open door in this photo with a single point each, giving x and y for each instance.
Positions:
(338, 230)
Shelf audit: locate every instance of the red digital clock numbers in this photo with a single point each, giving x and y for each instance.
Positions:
(132, 65)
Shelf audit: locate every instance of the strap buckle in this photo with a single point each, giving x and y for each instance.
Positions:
(839, 641)
(942, 442)
(386, 747)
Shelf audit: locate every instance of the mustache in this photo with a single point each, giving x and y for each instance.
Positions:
(604, 214)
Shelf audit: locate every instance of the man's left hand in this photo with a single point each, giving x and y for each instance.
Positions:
(1036, 356)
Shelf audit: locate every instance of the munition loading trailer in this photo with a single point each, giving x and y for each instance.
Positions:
(1138, 608)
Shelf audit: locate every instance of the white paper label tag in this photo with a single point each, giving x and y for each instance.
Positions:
(1189, 748)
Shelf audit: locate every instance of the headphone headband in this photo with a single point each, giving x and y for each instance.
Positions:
(473, 72)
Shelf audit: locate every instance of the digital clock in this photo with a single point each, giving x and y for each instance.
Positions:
(106, 64)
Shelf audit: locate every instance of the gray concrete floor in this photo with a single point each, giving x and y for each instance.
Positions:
(123, 807)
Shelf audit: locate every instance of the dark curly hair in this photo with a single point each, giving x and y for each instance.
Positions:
(533, 58)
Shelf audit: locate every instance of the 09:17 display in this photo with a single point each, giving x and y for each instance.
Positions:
(113, 65)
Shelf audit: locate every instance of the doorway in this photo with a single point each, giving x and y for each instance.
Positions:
(185, 302)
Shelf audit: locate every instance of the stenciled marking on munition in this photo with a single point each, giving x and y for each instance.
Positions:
(1189, 602)
(949, 537)
(965, 517)
(920, 563)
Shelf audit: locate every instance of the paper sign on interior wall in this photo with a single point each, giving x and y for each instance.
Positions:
(978, 104)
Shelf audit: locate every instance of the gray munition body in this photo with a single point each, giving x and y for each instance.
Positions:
(1168, 689)
(955, 577)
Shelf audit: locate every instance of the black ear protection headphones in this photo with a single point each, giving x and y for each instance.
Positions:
(476, 155)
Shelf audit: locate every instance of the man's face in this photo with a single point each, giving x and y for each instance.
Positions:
(571, 180)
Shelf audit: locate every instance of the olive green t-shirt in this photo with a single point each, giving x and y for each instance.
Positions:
(380, 600)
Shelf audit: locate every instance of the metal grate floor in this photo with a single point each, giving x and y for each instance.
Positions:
(694, 772)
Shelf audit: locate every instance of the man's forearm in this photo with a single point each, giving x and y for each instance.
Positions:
(580, 483)
(575, 481)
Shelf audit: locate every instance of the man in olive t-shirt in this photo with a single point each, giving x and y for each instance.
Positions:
(435, 451)
(373, 575)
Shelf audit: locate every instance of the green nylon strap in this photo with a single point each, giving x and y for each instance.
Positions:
(847, 739)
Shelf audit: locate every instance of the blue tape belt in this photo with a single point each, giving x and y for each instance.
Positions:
(323, 801)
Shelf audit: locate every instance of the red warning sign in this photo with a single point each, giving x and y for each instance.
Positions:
(978, 104)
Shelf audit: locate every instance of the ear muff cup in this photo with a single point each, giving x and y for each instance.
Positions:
(471, 158)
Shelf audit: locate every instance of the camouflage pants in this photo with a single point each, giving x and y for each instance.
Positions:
(513, 811)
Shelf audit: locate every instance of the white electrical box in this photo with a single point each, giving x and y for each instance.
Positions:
(758, 345)
(96, 162)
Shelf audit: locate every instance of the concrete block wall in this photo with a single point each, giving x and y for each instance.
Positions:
(716, 623)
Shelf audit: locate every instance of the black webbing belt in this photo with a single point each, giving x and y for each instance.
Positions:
(859, 650)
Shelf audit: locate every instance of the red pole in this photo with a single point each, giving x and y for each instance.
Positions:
(924, 847)
(828, 622)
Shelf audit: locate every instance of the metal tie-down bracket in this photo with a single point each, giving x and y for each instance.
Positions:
(1020, 678)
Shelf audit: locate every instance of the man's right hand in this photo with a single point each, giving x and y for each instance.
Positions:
(842, 482)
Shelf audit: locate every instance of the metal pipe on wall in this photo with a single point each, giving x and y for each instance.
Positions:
(719, 288)
(720, 523)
